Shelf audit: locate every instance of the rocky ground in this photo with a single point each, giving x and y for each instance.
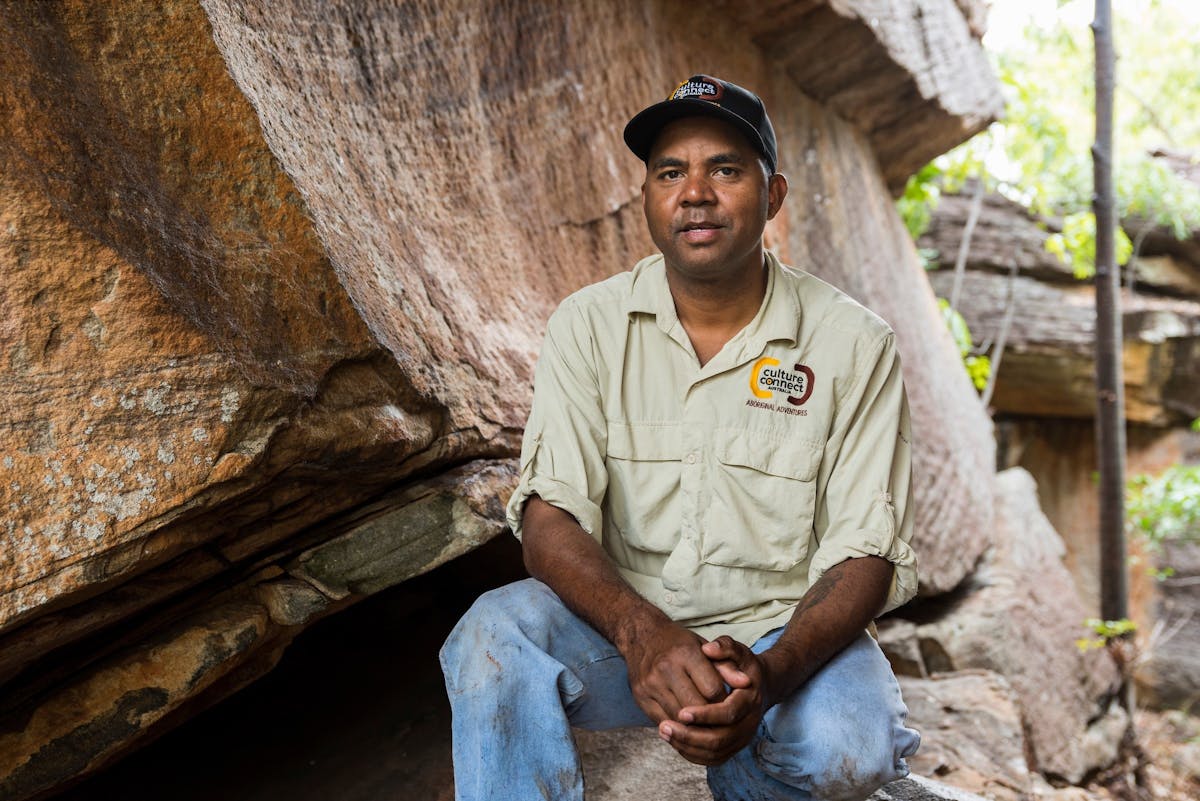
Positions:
(1171, 741)
(354, 715)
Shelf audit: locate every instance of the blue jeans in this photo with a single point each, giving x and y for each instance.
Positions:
(521, 669)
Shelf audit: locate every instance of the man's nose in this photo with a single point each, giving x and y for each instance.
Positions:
(698, 190)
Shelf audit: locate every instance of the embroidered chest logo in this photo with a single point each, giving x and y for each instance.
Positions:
(767, 378)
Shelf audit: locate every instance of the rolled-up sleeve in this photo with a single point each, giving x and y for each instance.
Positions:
(866, 506)
(562, 455)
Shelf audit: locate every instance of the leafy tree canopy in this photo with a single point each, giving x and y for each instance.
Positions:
(1039, 154)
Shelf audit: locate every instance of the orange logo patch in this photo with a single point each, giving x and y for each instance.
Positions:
(767, 378)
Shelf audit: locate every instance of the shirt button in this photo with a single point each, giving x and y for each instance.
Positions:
(691, 458)
(669, 598)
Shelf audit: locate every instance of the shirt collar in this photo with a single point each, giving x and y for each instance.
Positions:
(778, 318)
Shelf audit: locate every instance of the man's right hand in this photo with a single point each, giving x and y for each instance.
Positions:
(668, 670)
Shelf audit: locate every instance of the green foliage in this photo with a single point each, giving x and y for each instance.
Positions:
(1148, 189)
(920, 198)
(1104, 630)
(1039, 154)
(978, 367)
(1076, 245)
(1166, 507)
(1162, 573)
(930, 258)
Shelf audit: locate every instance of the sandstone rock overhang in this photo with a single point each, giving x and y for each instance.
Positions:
(910, 74)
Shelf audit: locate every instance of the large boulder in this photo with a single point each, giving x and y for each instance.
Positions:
(1061, 456)
(839, 223)
(1021, 618)
(1169, 676)
(273, 268)
(971, 733)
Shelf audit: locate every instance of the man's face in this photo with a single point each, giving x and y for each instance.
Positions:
(707, 199)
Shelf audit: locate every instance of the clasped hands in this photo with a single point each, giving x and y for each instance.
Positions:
(706, 697)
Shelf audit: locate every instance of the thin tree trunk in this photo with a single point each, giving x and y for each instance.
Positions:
(1110, 423)
(1110, 411)
(1131, 267)
(1010, 311)
(964, 246)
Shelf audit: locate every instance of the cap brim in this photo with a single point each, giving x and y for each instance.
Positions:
(643, 129)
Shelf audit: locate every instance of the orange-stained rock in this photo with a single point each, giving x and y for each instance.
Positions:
(169, 312)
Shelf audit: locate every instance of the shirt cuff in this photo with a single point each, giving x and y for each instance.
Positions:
(872, 543)
(557, 494)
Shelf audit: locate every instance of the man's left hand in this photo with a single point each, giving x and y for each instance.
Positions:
(711, 734)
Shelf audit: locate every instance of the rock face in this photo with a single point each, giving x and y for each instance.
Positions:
(971, 733)
(1046, 369)
(1020, 618)
(1170, 677)
(1061, 455)
(276, 276)
(841, 226)
(1048, 365)
(145, 681)
(917, 64)
(1045, 394)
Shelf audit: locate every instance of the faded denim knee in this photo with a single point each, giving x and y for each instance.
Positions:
(838, 766)
(497, 621)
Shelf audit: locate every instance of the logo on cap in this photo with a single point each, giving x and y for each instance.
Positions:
(700, 87)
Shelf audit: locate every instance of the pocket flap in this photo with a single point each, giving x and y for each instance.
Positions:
(644, 442)
(791, 457)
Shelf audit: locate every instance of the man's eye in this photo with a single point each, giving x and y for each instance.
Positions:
(726, 172)
(671, 175)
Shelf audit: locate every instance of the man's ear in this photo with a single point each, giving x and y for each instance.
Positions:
(777, 189)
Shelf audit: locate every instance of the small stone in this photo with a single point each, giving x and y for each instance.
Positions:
(291, 602)
(1186, 760)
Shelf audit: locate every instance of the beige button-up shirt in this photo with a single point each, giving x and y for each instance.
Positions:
(723, 491)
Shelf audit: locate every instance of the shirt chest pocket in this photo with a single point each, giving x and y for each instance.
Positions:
(760, 513)
(642, 503)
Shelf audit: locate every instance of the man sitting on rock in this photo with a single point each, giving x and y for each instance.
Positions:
(714, 503)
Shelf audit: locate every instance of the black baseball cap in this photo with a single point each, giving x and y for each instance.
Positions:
(703, 95)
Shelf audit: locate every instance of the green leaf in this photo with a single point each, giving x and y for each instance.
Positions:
(978, 367)
(1166, 507)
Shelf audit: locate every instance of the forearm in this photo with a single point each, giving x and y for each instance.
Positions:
(834, 611)
(560, 554)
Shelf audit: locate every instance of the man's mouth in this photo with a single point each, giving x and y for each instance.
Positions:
(699, 232)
